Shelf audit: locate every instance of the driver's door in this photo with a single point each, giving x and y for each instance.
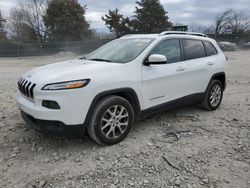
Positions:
(166, 82)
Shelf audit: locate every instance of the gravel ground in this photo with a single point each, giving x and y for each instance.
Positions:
(215, 153)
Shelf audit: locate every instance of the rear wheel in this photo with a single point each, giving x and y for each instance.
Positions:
(111, 120)
(213, 96)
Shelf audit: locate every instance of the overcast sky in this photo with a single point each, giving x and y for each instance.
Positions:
(180, 11)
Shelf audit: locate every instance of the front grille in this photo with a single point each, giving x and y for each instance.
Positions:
(26, 88)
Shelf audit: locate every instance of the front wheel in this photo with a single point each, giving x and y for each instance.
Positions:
(111, 120)
(213, 96)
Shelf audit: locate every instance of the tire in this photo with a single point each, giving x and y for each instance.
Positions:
(111, 120)
(213, 96)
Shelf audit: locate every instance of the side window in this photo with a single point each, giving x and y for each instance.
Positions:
(193, 49)
(170, 48)
(211, 50)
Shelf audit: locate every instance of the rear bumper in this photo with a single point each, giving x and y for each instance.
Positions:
(53, 127)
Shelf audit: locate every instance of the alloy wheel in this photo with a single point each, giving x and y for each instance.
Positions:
(114, 121)
(215, 95)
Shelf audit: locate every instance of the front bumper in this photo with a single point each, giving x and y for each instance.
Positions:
(52, 127)
(73, 106)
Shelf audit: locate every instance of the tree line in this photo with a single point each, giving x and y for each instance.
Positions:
(56, 20)
(47, 21)
(149, 17)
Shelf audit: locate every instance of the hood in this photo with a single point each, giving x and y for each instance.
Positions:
(69, 70)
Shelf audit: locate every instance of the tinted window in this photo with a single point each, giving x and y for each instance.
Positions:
(211, 50)
(170, 48)
(193, 49)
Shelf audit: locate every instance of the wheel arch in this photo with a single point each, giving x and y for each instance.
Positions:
(221, 76)
(127, 93)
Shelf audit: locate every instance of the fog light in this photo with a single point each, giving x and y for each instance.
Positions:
(51, 104)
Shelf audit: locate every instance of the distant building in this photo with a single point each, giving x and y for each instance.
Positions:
(180, 28)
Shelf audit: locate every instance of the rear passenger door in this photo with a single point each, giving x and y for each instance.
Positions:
(197, 71)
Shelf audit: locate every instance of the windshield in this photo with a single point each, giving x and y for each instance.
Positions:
(120, 50)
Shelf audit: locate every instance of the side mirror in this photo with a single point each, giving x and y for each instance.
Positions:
(156, 59)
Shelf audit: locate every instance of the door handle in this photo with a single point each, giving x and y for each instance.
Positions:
(210, 63)
(180, 69)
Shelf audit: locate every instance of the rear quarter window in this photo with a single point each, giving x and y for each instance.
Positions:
(210, 49)
(193, 49)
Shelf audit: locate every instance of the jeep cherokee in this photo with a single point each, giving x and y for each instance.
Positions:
(127, 79)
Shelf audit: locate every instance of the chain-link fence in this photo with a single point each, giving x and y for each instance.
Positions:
(86, 46)
(37, 49)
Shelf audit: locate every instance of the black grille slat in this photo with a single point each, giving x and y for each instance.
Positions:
(21, 85)
(31, 90)
(19, 81)
(26, 88)
(24, 82)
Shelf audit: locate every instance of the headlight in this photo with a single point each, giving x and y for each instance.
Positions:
(67, 85)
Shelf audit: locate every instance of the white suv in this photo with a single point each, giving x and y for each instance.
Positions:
(126, 79)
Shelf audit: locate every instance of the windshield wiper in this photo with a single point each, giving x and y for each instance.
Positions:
(99, 59)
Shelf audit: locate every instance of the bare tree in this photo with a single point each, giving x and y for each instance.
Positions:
(222, 22)
(18, 28)
(239, 23)
(230, 21)
(15, 23)
(2, 26)
(32, 12)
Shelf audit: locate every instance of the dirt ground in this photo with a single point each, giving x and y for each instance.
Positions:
(215, 153)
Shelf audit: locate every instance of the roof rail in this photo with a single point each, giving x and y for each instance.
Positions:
(182, 33)
(128, 35)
